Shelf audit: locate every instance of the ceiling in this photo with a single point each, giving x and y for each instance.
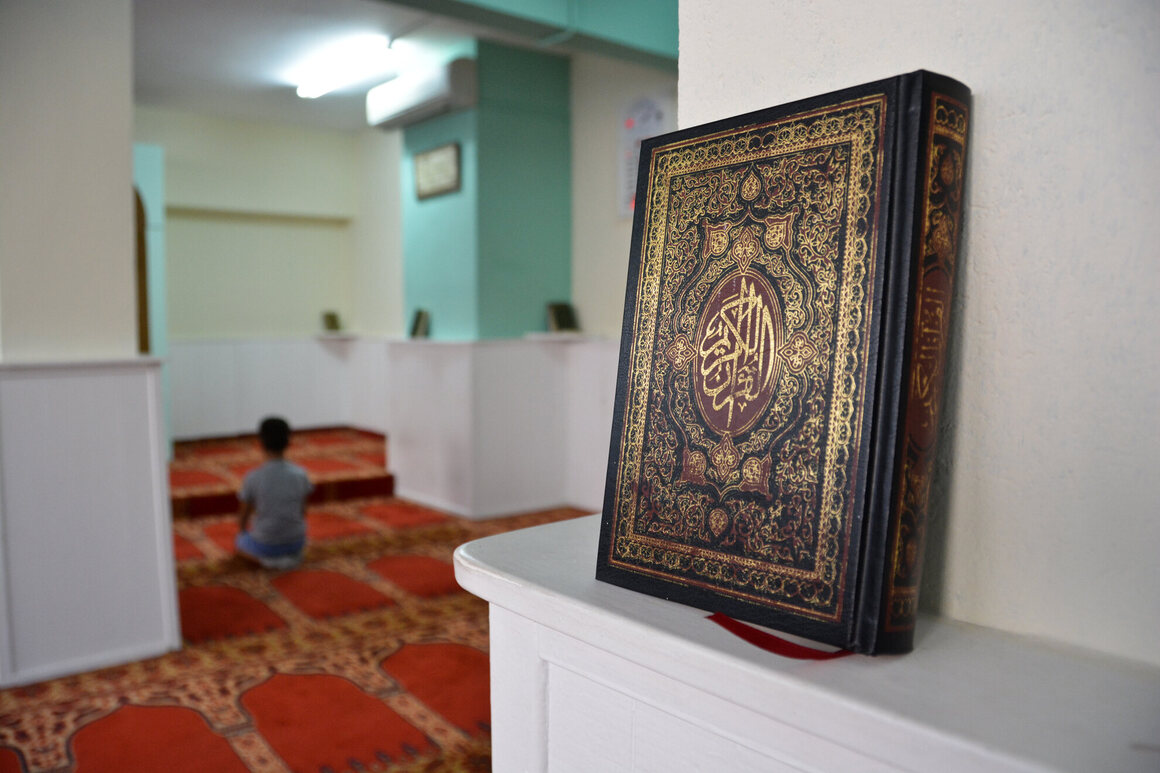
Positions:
(230, 57)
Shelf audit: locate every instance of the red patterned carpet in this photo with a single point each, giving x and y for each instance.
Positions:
(368, 657)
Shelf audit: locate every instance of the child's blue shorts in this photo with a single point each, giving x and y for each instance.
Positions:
(247, 544)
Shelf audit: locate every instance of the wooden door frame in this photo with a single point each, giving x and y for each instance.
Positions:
(143, 345)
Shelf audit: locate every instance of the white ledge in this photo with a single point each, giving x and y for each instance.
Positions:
(121, 362)
(967, 699)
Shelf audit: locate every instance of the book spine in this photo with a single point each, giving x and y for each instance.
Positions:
(938, 231)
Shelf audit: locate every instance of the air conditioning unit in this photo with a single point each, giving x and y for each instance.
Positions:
(415, 96)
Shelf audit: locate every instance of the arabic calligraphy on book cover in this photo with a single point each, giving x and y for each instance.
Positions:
(749, 399)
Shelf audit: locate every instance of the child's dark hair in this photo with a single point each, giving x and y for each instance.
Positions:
(274, 433)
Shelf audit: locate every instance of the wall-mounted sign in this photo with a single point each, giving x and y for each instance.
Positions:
(647, 117)
(437, 171)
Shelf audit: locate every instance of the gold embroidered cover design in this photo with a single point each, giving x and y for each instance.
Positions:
(748, 367)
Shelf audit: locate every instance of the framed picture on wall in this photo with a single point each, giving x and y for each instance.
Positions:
(437, 171)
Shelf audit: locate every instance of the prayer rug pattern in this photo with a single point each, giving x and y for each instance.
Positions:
(365, 658)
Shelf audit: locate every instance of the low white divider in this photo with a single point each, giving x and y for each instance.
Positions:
(478, 428)
(86, 547)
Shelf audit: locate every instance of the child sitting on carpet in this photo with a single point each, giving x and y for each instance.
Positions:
(275, 495)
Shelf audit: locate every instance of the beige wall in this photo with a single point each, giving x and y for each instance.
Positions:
(270, 225)
(66, 206)
(249, 166)
(1049, 520)
(602, 91)
(246, 276)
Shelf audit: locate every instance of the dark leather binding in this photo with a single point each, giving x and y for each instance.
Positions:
(781, 362)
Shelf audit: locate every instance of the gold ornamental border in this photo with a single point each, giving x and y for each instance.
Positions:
(829, 125)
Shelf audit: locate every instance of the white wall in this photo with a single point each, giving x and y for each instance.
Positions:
(1048, 522)
(520, 411)
(226, 387)
(86, 546)
(479, 429)
(431, 418)
(482, 428)
(602, 92)
(590, 384)
(66, 203)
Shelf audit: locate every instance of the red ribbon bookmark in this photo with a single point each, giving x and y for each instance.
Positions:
(771, 643)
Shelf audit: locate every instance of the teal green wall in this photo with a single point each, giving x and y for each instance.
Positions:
(149, 179)
(647, 25)
(440, 234)
(486, 260)
(525, 189)
(644, 25)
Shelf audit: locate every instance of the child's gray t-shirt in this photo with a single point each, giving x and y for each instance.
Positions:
(278, 491)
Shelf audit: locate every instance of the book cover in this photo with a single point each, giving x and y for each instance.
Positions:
(782, 361)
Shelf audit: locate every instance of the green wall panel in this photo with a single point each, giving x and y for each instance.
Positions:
(525, 222)
(440, 235)
(554, 12)
(522, 81)
(645, 25)
(486, 260)
(525, 189)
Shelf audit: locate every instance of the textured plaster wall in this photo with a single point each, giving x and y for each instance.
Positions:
(1046, 518)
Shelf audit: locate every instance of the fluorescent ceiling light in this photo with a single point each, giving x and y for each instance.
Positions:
(342, 63)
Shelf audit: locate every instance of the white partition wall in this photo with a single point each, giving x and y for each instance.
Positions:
(367, 375)
(479, 428)
(591, 390)
(476, 428)
(498, 427)
(226, 387)
(520, 422)
(86, 553)
(429, 409)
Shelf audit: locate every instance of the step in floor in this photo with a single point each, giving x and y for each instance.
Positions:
(205, 475)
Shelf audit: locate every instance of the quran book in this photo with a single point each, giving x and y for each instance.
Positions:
(782, 361)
